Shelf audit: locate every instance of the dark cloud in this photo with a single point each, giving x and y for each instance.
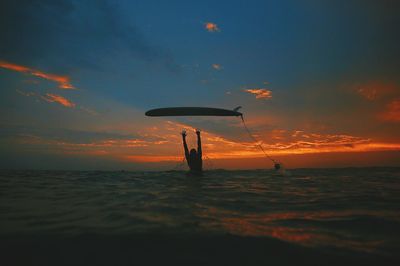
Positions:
(13, 159)
(67, 135)
(70, 34)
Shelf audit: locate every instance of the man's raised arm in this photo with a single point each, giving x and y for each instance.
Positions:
(199, 151)
(184, 144)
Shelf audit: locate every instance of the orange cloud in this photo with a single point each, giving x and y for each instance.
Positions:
(49, 97)
(163, 144)
(279, 142)
(392, 112)
(221, 151)
(260, 93)
(63, 81)
(217, 66)
(211, 27)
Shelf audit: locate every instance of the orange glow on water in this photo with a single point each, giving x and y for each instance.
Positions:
(269, 225)
(247, 228)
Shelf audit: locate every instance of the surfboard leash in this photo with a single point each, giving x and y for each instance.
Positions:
(256, 141)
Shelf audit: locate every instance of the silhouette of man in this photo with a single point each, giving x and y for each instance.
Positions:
(194, 158)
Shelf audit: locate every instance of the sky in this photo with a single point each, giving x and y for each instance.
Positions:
(318, 82)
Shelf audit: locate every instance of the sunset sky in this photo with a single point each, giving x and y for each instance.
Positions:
(318, 82)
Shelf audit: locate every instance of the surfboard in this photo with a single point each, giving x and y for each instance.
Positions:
(192, 111)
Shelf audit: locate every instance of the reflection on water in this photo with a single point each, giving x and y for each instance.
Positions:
(304, 228)
(354, 209)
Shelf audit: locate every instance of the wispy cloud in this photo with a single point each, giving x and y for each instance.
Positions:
(373, 90)
(89, 110)
(211, 27)
(260, 93)
(367, 92)
(49, 97)
(63, 81)
(24, 93)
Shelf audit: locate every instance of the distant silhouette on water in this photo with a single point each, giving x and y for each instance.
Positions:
(193, 158)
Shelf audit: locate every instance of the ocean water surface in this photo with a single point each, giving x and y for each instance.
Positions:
(349, 211)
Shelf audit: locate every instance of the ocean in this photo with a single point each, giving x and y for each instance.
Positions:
(255, 217)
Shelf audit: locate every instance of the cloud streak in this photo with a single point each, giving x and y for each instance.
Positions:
(62, 81)
(49, 97)
(54, 98)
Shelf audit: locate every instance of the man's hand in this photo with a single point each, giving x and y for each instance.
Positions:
(198, 131)
(183, 133)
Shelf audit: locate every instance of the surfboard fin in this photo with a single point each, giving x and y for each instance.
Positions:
(237, 108)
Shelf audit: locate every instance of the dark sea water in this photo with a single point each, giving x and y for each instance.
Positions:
(258, 217)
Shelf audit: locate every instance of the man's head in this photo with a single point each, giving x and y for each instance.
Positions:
(193, 153)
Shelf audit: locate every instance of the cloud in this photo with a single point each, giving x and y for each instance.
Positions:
(277, 142)
(163, 143)
(392, 112)
(260, 93)
(211, 27)
(217, 66)
(27, 94)
(63, 81)
(220, 148)
(89, 110)
(49, 97)
(59, 142)
(367, 93)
